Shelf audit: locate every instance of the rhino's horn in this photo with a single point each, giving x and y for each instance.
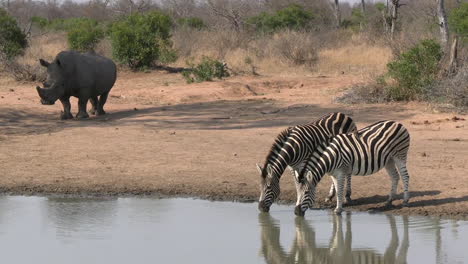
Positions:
(40, 91)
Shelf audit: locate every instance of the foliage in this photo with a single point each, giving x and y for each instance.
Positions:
(12, 39)
(356, 20)
(85, 35)
(137, 40)
(40, 22)
(292, 17)
(414, 70)
(205, 71)
(191, 22)
(458, 20)
(380, 6)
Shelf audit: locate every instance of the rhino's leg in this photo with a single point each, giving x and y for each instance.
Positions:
(102, 101)
(94, 105)
(66, 114)
(82, 108)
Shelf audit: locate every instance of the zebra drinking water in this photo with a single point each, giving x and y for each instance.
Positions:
(365, 152)
(292, 146)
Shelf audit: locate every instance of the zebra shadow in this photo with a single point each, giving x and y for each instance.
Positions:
(383, 198)
(305, 248)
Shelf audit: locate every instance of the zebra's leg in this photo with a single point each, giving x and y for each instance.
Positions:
(331, 193)
(401, 165)
(394, 176)
(338, 181)
(292, 170)
(348, 199)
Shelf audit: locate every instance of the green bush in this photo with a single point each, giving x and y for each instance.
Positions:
(292, 17)
(137, 40)
(191, 22)
(205, 71)
(85, 35)
(414, 70)
(458, 20)
(40, 22)
(12, 39)
(356, 20)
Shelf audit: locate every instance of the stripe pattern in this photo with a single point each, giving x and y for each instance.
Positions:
(292, 147)
(384, 144)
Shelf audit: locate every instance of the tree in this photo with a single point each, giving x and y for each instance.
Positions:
(337, 12)
(232, 11)
(12, 39)
(443, 25)
(394, 16)
(459, 23)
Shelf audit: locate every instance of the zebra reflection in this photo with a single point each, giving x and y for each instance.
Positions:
(305, 249)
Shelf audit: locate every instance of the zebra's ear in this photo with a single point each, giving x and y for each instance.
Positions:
(296, 174)
(259, 168)
(269, 170)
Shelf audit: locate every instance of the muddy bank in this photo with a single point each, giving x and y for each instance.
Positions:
(203, 140)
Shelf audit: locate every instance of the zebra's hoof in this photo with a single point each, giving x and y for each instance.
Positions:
(348, 201)
(388, 204)
(338, 211)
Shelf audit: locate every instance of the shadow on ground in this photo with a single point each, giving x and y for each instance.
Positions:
(240, 114)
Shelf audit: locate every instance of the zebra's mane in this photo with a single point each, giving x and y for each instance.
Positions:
(277, 146)
(315, 157)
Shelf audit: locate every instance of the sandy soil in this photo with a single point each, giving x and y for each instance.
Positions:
(162, 136)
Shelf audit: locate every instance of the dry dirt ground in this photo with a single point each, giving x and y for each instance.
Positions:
(162, 136)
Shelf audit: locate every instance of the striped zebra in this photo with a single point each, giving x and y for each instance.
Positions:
(292, 146)
(365, 152)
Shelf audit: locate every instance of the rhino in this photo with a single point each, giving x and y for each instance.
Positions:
(83, 75)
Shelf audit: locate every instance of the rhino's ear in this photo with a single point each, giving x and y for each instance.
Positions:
(44, 63)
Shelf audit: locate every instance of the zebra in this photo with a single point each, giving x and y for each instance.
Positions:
(292, 146)
(365, 152)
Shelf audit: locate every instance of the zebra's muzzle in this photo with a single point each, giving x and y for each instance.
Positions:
(298, 211)
(262, 207)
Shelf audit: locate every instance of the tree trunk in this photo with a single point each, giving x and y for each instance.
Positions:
(452, 65)
(337, 13)
(443, 25)
(395, 6)
(363, 6)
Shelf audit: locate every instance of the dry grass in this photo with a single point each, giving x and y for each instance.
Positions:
(284, 52)
(355, 57)
(27, 67)
(44, 47)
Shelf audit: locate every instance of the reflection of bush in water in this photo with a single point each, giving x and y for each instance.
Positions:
(305, 249)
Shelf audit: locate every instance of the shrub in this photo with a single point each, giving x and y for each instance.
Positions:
(40, 22)
(356, 20)
(295, 47)
(205, 71)
(414, 70)
(85, 35)
(191, 22)
(12, 39)
(458, 20)
(292, 17)
(138, 39)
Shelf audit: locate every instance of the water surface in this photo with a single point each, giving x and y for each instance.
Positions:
(145, 230)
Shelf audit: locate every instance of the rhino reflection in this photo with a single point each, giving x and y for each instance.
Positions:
(305, 249)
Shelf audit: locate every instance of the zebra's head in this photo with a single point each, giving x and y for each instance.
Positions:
(305, 192)
(269, 187)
